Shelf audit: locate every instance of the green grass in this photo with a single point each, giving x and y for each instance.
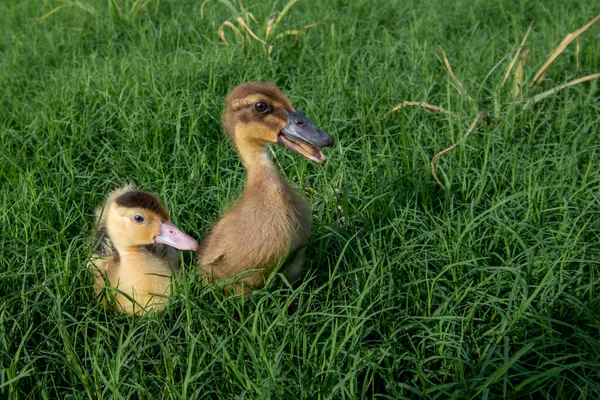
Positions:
(488, 289)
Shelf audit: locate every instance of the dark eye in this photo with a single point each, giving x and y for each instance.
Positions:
(261, 107)
(138, 218)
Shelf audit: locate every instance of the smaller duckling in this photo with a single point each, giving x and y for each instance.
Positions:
(134, 250)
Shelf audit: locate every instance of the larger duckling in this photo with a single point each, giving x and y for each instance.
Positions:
(271, 220)
(135, 250)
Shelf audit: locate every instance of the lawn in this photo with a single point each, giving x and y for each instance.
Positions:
(485, 288)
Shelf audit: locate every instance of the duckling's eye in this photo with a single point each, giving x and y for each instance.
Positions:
(138, 218)
(261, 107)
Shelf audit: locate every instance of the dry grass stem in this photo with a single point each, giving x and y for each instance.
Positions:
(514, 60)
(115, 5)
(441, 153)
(55, 9)
(84, 7)
(269, 26)
(138, 6)
(427, 106)
(577, 48)
(459, 85)
(224, 2)
(299, 31)
(233, 27)
(519, 74)
(247, 18)
(202, 8)
(547, 93)
(240, 21)
(558, 50)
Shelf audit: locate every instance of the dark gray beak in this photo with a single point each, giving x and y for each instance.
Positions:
(304, 136)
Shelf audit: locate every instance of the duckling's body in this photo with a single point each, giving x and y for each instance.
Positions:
(271, 220)
(140, 274)
(133, 257)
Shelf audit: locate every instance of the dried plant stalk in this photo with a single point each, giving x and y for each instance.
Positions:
(577, 48)
(138, 6)
(269, 27)
(427, 106)
(558, 50)
(240, 21)
(519, 74)
(202, 8)
(547, 93)
(55, 9)
(233, 27)
(82, 6)
(514, 60)
(459, 85)
(441, 153)
(299, 31)
(115, 5)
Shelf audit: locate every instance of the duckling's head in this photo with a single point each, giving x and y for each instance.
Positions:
(135, 218)
(259, 113)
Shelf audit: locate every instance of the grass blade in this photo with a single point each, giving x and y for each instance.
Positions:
(287, 7)
(503, 369)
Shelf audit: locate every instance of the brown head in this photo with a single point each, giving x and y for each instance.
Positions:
(135, 218)
(258, 113)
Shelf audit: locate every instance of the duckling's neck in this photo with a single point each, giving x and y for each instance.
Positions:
(129, 252)
(259, 166)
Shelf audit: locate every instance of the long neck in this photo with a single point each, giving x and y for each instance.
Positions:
(259, 166)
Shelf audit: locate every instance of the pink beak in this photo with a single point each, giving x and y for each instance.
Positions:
(172, 236)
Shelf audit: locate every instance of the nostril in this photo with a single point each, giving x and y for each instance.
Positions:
(300, 123)
(172, 232)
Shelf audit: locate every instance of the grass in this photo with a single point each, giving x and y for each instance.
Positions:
(487, 289)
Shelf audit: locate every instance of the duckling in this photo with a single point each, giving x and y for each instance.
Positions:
(133, 252)
(271, 220)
